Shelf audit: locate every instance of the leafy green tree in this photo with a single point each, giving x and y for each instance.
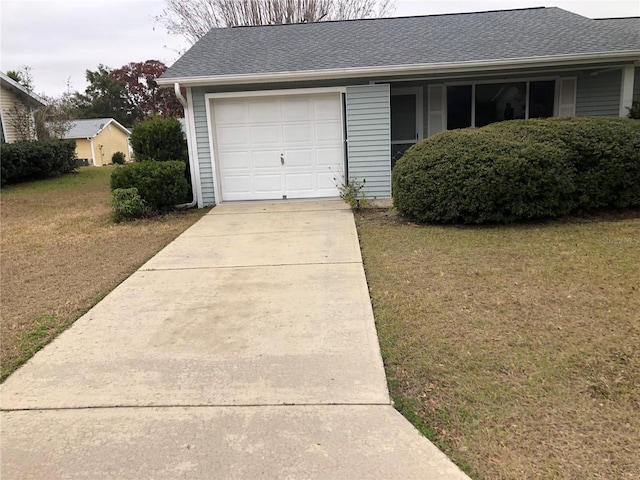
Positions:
(106, 96)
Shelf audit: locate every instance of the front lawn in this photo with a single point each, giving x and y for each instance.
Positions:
(516, 349)
(61, 253)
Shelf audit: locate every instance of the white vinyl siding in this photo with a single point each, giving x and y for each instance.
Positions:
(599, 94)
(369, 138)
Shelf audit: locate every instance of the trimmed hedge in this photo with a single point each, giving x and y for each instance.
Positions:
(159, 139)
(521, 170)
(29, 160)
(161, 185)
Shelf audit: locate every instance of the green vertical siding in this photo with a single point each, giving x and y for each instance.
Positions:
(202, 144)
(369, 138)
(636, 84)
(599, 95)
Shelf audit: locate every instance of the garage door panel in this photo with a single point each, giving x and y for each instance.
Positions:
(327, 183)
(268, 184)
(253, 133)
(296, 109)
(304, 158)
(264, 110)
(327, 108)
(237, 184)
(302, 182)
(227, 112)
(264, 135)
(330, 156)
(235, 135)
(297, 133)
(234, 161)
(328, 132)
(266, 159)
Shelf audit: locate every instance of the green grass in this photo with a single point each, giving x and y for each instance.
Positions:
(516, 349)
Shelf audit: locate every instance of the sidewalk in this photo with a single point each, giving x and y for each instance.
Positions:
(245, 349)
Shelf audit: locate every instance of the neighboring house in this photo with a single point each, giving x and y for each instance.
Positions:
(281, 111)
(97, 139)
(16, 111)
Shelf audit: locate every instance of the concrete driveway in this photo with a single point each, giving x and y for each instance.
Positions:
(245, 349)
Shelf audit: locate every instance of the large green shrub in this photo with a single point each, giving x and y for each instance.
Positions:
(604, 154)
(159, 139)
(161, 185)
(519, 170)
(29, 160)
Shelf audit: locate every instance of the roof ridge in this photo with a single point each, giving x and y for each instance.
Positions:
(387, 18)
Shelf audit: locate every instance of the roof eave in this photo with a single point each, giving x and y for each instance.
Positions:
(13, 85)
(394, 70)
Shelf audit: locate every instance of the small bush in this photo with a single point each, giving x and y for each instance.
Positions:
(29, 160)
(520, 170)
(161, 185)
(634, 111)
(159, 139)
(118, 158)
(127, 204)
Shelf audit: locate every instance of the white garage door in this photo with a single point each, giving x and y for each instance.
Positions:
(271, 148)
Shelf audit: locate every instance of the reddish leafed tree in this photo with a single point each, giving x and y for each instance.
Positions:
(140, 82)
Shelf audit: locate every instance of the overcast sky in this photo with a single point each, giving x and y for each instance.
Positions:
(60, 39)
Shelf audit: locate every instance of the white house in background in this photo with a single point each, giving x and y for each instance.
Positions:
(13, 98)
(97, 139)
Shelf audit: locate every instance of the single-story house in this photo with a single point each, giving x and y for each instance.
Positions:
(97, 139)
(16, 111)
(282, 111)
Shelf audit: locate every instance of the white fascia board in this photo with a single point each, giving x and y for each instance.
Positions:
(392, 70)
(15, 85)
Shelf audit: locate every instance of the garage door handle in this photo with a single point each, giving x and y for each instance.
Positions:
(282, 159)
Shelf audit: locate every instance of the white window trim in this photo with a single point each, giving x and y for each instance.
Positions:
(275, 93)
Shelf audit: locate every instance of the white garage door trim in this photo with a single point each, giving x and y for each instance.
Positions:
(290, 174)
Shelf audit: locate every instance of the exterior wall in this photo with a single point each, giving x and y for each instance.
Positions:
(599, 95)
(202, 145)
(202, 133)
(369, 135)
(596, 95)
(83, 149)
(109, 141)
(7, 102)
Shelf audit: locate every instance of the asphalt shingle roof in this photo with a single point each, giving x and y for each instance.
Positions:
(87, 128)
(454, 38)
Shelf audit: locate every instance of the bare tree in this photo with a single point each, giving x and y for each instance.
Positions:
(54, 120)
(194, 18)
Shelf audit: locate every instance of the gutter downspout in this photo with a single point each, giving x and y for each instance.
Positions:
(183, 102)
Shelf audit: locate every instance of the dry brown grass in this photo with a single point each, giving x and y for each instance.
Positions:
(61, 253)
(518, 346)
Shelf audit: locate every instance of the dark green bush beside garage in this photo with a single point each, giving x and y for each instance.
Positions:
(521, 170)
